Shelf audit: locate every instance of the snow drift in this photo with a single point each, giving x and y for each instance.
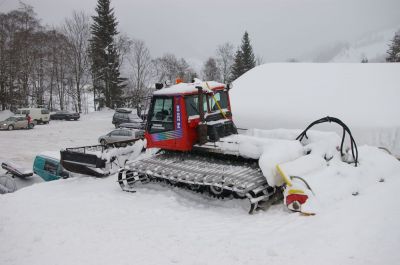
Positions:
(282, 95)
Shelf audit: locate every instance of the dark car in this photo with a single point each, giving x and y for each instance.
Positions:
(139, 124)
(125, 116)
(65, 115)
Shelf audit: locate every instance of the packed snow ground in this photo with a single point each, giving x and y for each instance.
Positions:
(85, 220)
(21, 146)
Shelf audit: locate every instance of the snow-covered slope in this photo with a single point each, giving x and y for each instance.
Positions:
(372, 46)
(364, 96)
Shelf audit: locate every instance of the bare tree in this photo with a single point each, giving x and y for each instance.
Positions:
(17, 54)
(210, 70)
(225, 60)
(124, 46)
(140, 61)
(168, 67)
(77, 31)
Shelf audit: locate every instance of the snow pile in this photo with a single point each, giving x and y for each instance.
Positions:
(268, 151)
(364, 96)
(117, 157)
(316, 159)
(130, 151)
(4, 114)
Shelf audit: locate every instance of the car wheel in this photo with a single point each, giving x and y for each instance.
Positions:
(10, 127)
(75, 119)
(103, 142)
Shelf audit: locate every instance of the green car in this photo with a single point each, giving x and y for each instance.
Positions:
(49, 168)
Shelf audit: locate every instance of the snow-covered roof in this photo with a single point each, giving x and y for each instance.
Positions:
(291, 95)
(186, 88)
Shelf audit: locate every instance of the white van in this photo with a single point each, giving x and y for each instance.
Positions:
(38, 115)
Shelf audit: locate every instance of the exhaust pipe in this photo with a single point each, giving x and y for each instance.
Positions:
(202, 127)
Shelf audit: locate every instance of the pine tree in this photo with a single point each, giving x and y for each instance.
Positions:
(237, 67)
(244, 59)
(394, 49)
(105, 59)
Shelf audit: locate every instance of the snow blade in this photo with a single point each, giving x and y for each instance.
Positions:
(92, 160)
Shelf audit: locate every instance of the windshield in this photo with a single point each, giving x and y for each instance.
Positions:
(192, 105)
(134, 118)
(162, 115)
(221, 97)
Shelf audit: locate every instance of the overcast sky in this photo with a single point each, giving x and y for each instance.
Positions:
(279, 29)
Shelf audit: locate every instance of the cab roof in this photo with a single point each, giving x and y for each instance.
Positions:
(190, 88)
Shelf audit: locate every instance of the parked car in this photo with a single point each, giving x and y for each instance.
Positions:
(125, 116)
(120, 135)
(49, 168)
(65, 115)
(136, 124)
(16, 122)
(38, 115)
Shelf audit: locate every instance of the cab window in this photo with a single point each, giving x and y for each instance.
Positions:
(192, 105)
(50, 167)
(221, 97)
(162, 115)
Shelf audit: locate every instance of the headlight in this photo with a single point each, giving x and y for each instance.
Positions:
(5, 124)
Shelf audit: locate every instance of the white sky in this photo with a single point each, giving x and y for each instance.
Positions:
(279, 29)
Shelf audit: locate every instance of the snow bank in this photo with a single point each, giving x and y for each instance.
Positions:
(4, 114)
(282, 95)
(317, 160)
